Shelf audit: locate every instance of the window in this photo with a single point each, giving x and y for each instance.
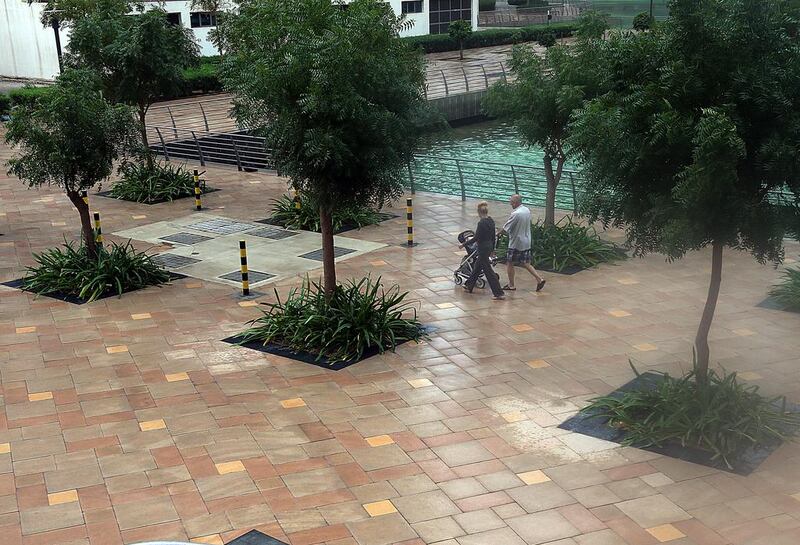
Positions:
(174, 19)
(442, 12)
(412, 6)
(201, 19)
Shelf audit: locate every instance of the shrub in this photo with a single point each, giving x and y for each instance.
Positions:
(359, 316)
(433, 43)
(566, 245)
(643, 21)
(724, 417)
(27, 95)
(538, 3)
(486, 5)
(547, 40)
(788, 291)
(70, 271)
(285, 213)
(164, 182)
(202, 78)
(5, 104)
(520, 3)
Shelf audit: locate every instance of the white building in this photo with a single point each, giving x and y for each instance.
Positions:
(28, 50)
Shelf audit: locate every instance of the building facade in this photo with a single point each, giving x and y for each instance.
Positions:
(28, 50)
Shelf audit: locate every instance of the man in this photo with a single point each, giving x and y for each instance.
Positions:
(518, 228)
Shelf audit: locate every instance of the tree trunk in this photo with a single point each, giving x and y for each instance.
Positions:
(328, 264)
(87, 231)
(461, 51)
(552, 183)
(148, 154)
(701, 341)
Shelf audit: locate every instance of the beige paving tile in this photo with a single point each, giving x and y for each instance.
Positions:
(141, 316)
(382, 530)
(425, 506)
(50, 517)
(315, 481)
(150, 425)
(380, 457)
(420, 382)
(652, 511)
(116, 349)
(378, 508)
(23, 330)
(66, 496)
(40, 396)
(538, 364)
(292, 403)
(533, 477)
(145, 513)
(542, 527)
(665, 532)
(230, 467)
(379, 440)
(177, 377)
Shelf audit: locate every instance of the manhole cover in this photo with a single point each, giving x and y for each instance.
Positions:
(253, 276)
(185, 238)
(273, 233)
(317, 254)
(254, 537)
(221, 226)
(172, 261)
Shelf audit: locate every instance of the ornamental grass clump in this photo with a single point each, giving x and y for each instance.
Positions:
(788, 291)
(359, 316)
(286, 214)
(117, 268)
(723, 417)
(154, 183)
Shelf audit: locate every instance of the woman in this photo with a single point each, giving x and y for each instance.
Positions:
(485, 237)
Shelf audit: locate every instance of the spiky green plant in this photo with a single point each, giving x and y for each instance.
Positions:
(151, 184)
(285, 213)
(788, 291)
(72, 271)
(359, 316)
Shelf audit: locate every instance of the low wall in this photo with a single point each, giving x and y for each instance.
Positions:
(461, 106)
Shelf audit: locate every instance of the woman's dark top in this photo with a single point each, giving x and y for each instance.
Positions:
(485, 236)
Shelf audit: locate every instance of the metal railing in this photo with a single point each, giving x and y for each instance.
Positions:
(514, 17)
(444, 82)
(447, 175)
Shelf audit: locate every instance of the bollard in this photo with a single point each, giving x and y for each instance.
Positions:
(410, 222)
(296, 199)
(243, 263)
(85, 197)
(198, 205)
(98, 232)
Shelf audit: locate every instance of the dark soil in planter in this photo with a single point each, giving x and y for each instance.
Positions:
(254, 537)
(383, 215)
(74, 299)
(599, 428)
(108, 195)
(309, 357)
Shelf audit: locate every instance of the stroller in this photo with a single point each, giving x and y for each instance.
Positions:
(464, 270)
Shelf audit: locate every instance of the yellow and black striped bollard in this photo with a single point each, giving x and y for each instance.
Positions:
(243, 263)
(85, 197)
(198, 205)
(410, 222)
(98, 231)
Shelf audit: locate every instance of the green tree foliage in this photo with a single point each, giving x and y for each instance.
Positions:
(545, 93)
(140, 58)
(334, 92)
(592, 25)
(70, 138)
(67, 12)
(643, 22)
(459, 31)
(686, 148)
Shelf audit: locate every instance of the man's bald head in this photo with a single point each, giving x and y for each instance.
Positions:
(515, 201)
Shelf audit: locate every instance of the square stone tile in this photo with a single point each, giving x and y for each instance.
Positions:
(540, 497)
(533, 477)
(426, 506)
(665, 532)
(66, 496)
(538, 364)
(652, 511)
(5, 448)
(154, 510)
(579, 475)
(73, 477)
(40, 396)
(141, 316)
(225, 486)
(315, 481)
(378, 508)
(438, 530)
(420, 382)
(230, 467)
(479, 521)
(380, 457)
(445, 305)
(50, 517)
(384, 530)
(542, 527)
(379, 440)
(458, 454)
(176, 377)
(501, 536)
(150, 425)
(292, 403)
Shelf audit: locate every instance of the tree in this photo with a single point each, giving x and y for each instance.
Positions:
(70, 138)
(687, 148)
(217, 9)
(592, 25)
(334, 92)
(140, 58)
(67, 12)
(643, 21)
(459, 31)
(542, 98)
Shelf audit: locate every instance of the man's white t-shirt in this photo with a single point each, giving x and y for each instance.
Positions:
(518, 228)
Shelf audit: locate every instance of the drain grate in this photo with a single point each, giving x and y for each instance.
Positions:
(221, 226)
(172, 261)
(317, 254)
(253, 276)
(272, 233)
(185, 238)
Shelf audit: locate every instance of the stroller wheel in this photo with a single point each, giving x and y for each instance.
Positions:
(481, 283)
(457, 279)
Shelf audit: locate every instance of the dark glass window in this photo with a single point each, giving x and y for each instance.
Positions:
(201, 19)
(442, 12)
(412, 6)
(174, 19)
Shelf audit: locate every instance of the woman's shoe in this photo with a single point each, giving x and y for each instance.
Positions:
(468, 290)
(540, 285)
(498, 297)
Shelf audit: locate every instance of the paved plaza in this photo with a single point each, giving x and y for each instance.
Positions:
(128, 419)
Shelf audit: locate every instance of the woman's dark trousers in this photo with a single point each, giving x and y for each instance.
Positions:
(482, 265)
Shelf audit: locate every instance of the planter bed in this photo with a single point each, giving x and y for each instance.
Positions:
(383, 215)
(108, 195)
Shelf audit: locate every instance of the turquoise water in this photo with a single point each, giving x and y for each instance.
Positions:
(622, 12)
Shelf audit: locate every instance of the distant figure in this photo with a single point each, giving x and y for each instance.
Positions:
(485, 237)
(518, 228)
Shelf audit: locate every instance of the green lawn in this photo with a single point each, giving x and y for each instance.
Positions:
(622, 12)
